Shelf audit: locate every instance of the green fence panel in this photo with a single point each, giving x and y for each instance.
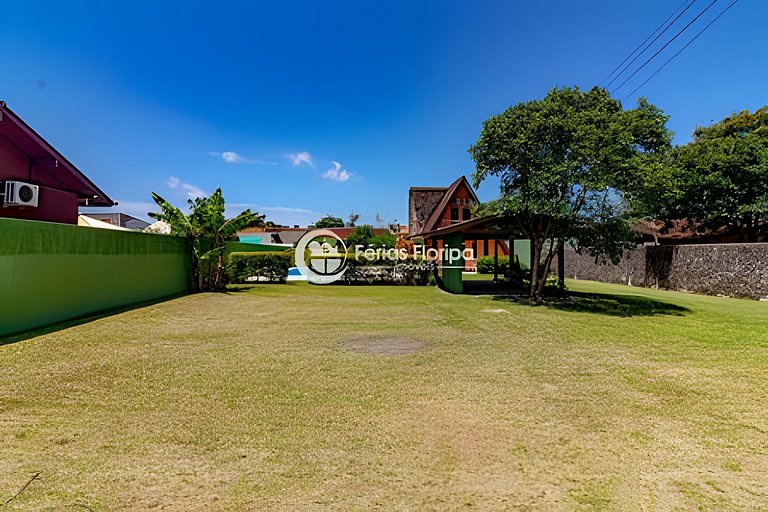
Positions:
(522, 249)
(55, 272)
(452, 271)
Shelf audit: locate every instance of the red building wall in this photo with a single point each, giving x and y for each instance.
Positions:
(462, 201)
(54, 205)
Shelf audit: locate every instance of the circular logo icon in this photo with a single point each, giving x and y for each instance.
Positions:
(321, 256)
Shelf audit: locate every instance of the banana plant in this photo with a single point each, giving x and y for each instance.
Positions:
(208, 229)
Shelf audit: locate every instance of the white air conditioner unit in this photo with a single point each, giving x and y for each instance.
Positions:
(18, 193)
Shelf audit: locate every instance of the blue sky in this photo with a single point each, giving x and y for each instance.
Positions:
(298, 109)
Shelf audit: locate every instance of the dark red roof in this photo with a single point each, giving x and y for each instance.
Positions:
(345, 232)
(341, 232)
(58, 172)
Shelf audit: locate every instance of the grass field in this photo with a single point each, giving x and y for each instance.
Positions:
(298, 397)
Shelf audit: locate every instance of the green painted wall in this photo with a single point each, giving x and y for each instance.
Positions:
(54, 272)
(522, 249)
(452, 280)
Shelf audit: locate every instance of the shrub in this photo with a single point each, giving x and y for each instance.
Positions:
(386, 240)
(272, 265)
(360, 236)
(485, 265)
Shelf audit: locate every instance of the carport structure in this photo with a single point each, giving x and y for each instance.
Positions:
(502, 227)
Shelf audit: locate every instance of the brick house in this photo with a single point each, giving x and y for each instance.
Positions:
(431, 208)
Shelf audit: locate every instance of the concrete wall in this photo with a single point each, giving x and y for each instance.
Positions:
(736, 270)
(55, 272)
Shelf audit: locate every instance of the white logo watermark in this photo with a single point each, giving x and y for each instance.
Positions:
(322, 256)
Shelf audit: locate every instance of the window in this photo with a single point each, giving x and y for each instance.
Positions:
(454, 214)
(466, 214)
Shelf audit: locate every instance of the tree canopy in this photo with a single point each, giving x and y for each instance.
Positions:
(329, 221)
(565, 165)
(719, 179)
(365, 236)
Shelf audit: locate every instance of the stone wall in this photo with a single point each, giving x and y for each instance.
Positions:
(402, 275)
(735, 270)
(630, 270)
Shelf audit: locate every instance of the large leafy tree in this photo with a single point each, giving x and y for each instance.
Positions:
(208, 228)
(718, 180)
(329, 221)
(565, 164)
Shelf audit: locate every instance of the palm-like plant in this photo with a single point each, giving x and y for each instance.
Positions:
(208, 229)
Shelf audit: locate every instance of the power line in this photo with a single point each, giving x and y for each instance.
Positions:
(663, 47)
(646, 40)
(681, 50)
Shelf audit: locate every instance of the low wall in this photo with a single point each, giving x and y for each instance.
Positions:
(54, 272)
(735, 270)
(402, 275)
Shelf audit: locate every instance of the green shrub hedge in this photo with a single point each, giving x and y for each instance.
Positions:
(272, 265)
(485, 265)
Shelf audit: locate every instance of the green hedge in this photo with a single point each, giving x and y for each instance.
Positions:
(230, 247)
(272, 265)
(55, 272)
(485, 264)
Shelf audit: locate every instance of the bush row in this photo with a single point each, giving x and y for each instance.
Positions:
(485, 265)
(271, 265)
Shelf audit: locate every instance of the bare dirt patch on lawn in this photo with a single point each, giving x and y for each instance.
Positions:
(383, 345)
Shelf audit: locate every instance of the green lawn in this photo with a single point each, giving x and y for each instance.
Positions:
(298, 397)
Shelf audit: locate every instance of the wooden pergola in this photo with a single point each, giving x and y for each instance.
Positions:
(501, 227)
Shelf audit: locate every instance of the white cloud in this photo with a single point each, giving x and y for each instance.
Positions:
(300, 158)
(231, 157)
(190, 190)
(337, 173)
(284, 215)
(193, 191)
(278, 214)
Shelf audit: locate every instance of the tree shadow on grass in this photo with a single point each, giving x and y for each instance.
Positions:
(249, 287)
(613, 305)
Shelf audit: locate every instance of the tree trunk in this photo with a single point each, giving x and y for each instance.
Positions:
(538, 243)
(220, 268)
(548, 265)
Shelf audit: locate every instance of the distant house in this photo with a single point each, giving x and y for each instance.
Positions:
(36, 181)
(122, 220)
(286, 235)
(432, 208)
(276, 235)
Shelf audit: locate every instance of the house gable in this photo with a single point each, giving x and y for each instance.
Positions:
(454, 205)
